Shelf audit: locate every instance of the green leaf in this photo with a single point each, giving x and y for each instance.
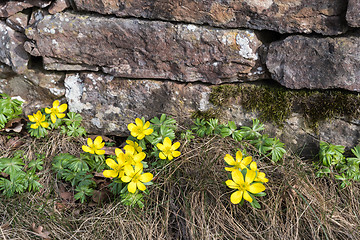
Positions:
(133, 199)
(255, 203)
(11, 165)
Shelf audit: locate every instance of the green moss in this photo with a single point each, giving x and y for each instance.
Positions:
(275, 103)
(208, 114)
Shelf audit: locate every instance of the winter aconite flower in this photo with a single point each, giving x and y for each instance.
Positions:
(168, 150)
(117, 168)
(131, 157)
(56, 111)
(94, 148)
(38, 120)
(240, 163)
(135, 145)
(140, 130)
(135, 178)
(260, 175)
(243, 186)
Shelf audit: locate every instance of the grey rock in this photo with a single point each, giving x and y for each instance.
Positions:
(58, 6)
(12, 51)
(303, 16)
(143, 49)
(18, 21)
(316, 63)
(353, 13)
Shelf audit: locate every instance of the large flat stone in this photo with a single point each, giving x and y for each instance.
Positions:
(316, 63)
(303, 16)
(147, 49)
(12, 51)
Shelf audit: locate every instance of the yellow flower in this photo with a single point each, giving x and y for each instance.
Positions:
(94, 148)
(135, 145)
(117, 168)
(135, 178)
(239, 163)
(131, 157)
(39, 120)
(243, 187)
(56, 110)
(260, 177)
(140, 129)
(168, 150)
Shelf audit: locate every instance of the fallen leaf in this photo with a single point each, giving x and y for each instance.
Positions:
(5, 175)
(15, 125)
(100, 196)
(14, 142)
(5, 226)
(109, 150)
(39, 232)
(66, 196)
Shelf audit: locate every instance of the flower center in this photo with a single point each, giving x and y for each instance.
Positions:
(244, 186)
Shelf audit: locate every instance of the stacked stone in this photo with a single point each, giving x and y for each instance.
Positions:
(149, 57)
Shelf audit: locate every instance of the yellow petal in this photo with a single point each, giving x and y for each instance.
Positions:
(48, 110)
(110, 173)
(98, 142)
(175, 146)
(250, 176)
(118, 152)
(138, 122)
(146, 125)
(44, 124)
(34, 126)
(253, 166)
(160, 146)
(129, 149)
(63, 107)
(237, 176)
(90, 142)
(162, 155)
(229, 159)
(111, 163)
(140, 136)
(60, 115)
(87, 149)
(53, 118)
(132, 187)
(256, 188)
(236, 197)
(141, 186)
(139, 157)
(129, 170)
(246, 161)
(99, 152)
(56, 103)
(238, 156)
(131, 127)
(148, 131)
(170, 157)
(31, 118)
(230, 169)
(247, 197)
(126, 179)
(231, 184)
(146, 177)
(167, 142)
(176, 153)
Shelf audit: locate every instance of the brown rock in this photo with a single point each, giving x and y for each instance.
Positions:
(12, 51)
(325, 17)
(316, 63)
(353, 13)
(142, 49)
(18, 21)
(58, 6)
(9, 8)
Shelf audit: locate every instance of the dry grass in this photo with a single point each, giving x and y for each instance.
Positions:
(189, 200)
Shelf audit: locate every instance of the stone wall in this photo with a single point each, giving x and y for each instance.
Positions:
(114, 60)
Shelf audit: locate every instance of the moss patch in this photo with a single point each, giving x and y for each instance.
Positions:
(275, 103)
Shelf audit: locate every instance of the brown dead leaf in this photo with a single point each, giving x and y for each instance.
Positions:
(109, 150)
(14, 142)
(101, 196)
(66, 196)
(15, 125)
(5, 226)
(39, 232)
(5, 175)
